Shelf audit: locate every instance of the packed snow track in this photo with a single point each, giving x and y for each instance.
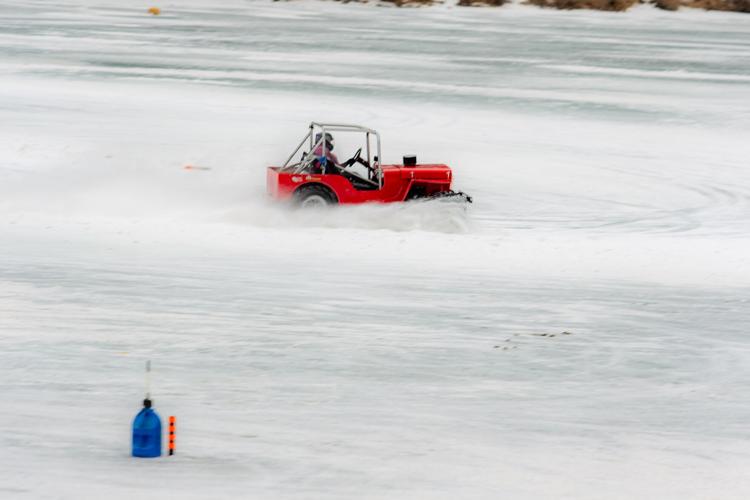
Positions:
(579, 331)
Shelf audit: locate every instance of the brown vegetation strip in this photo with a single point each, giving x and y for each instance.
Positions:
(608, 5)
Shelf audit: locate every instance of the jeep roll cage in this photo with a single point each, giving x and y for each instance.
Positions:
(308, 159)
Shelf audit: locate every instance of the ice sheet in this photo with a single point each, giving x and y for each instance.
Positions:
(579, 332)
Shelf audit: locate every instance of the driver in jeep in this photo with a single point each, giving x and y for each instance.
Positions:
(331, 164)
(330, 157)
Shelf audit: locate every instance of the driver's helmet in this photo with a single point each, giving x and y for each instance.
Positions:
(329, 140)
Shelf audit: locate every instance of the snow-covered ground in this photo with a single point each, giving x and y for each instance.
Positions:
(379, 351)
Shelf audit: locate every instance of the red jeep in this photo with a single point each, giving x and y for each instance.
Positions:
(318, 179)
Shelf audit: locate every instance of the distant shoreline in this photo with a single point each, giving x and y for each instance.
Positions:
(742, 6)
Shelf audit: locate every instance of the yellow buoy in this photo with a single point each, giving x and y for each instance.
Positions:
(154, 11)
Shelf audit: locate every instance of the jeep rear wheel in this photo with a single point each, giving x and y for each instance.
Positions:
(314, 196)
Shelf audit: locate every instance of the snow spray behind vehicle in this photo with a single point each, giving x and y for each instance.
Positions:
(147, 426)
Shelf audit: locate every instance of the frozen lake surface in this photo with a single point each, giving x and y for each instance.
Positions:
(580, 332)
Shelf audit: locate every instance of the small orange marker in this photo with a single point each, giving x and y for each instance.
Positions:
(171, 435)
(154, 11)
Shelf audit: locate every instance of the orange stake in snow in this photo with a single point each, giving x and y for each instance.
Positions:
(171, 435)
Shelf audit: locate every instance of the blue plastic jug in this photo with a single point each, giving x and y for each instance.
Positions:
(147, 432)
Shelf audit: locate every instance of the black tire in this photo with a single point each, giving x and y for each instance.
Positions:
(416, 192)
(454, 196)
(314, 196)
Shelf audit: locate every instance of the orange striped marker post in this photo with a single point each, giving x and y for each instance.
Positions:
(171, 435)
